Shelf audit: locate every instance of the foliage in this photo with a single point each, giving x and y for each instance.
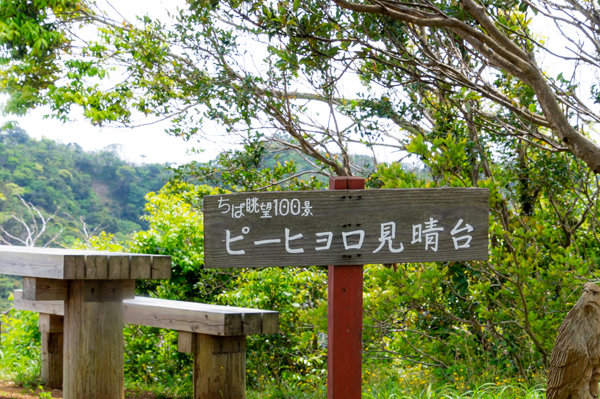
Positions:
(20, 347)
(486, 391)
(7, 285)
(298, 353)
(454, 320)
(256, 167)
(260, 165)
(102, 242)
(165, 82)
(31, 35)
(412, 383)
(151, 360)
(176, 228)
(503, 313)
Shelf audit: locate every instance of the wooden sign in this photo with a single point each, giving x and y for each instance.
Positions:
(345, 227)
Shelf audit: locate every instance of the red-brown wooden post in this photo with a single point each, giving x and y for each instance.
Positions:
(344, 345)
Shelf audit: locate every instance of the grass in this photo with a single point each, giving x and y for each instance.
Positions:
(379, 382)
(415, 383)
(386, 389)
(159, 390)
(22, 371)
(485, 391)
(389, 391)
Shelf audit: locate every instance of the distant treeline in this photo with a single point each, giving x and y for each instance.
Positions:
(98, 186)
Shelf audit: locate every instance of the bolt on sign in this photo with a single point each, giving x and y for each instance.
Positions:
(346, 227)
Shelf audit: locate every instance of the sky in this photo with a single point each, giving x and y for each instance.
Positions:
(150, 143)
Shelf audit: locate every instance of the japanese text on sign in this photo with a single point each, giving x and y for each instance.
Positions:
(354, 239)
(277, 207)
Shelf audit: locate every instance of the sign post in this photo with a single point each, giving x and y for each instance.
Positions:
(345, 314)
(345, 228)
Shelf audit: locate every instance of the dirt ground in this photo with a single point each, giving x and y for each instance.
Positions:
(9, 390)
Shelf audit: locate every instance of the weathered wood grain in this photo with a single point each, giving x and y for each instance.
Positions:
(31, 262)
(103, 291)
(118, 267)
(219, 364)
(177, 315)
(270, 323)
(44, 289)
(93, 342)
(52, 359)
(167, 303)
(49, 307)
(74, 267)
(251, 323)
(140, 267)
(71, 264)
(51, 329)
(128, 289)
(161, 267)
(96, 267)
(186, 342)
(40, 289)
(575, 364)
(171, 317)
(51, 323)
(220, 367)
(388, 221)
(199, 317)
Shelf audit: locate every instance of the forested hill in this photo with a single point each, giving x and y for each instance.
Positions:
(98, 186)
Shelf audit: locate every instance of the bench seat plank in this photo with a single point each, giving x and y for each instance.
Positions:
(198, 321)
(178, 315)
(255, 321)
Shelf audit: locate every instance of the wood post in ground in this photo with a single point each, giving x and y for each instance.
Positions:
(344, 346)
(93, 340)
(219, 365)
(51, 329)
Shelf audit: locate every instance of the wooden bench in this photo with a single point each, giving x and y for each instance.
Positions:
(215, 335)
(92, 285)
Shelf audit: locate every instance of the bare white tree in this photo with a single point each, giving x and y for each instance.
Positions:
(85, 231)
(34, 223)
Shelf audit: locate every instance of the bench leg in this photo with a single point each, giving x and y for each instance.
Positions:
(51, 328)
(219, 365)
(93, 364)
